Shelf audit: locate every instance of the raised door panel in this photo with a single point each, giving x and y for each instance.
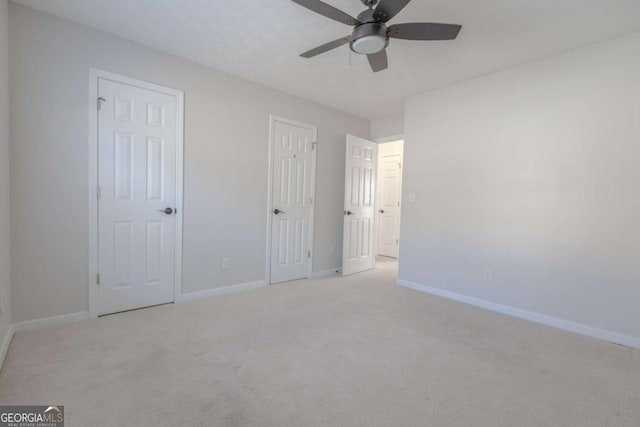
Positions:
(283, 242)
(353, 234)
(298, 241)
(123, 165)
(367, 188)
(153, 252)
(389, 191)
(122, 250)
(155, 169)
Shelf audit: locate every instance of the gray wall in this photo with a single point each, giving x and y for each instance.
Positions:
(5, 297)
(533, 172)
(383, 128)
(226, 148)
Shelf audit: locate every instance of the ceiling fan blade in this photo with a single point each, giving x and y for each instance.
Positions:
(378, 61)
(424, 31)
(326, 47)
(387, 9)
(329, 11)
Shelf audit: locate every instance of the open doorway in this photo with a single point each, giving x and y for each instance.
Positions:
(389, 202)
(372, 204)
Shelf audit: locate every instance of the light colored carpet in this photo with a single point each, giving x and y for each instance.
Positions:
(356, 351)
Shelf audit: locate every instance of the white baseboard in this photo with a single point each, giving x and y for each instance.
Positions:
(327, 272)
(4, 346)
(46, 322)
(222, 291)
(30, 325)
(566, 325)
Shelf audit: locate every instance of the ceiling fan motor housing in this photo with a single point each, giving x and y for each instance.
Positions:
(369, 38)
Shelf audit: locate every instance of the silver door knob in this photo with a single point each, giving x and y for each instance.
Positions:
(167, 211)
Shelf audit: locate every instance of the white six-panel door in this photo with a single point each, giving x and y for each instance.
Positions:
(389, 205)
(137, 196)
(291, 201)
(359, 204)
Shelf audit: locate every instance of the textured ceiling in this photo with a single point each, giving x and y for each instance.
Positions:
(261, 40)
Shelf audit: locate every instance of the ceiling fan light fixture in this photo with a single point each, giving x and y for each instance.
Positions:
(368, 45)
(369, 38)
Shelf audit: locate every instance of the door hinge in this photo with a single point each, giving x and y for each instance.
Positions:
(308, 254)
(313, 145)
(396, 241)
(98, 278)
(310, 200)
(99, 102)
(98, 192)
(398, 204)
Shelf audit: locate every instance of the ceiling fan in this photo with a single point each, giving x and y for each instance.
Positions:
(371, 34)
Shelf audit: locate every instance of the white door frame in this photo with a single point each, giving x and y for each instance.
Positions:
(94, 75)
(314, 141)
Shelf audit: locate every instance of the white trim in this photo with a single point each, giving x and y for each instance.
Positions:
(555, 322)
(32, 325)
(227, 290)
(389, 139)
(93, 196)
(94, 75)
(177, 253)
(6, 342)
(46, 322)
(335, 271)
(142, 84)
(314, 130)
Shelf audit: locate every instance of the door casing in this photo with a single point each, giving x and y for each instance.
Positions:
(314, 141)
(94, 75)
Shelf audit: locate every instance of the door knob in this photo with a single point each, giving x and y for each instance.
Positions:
(278, 211)
(348, 213)
(381, 210)
(167, 211)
